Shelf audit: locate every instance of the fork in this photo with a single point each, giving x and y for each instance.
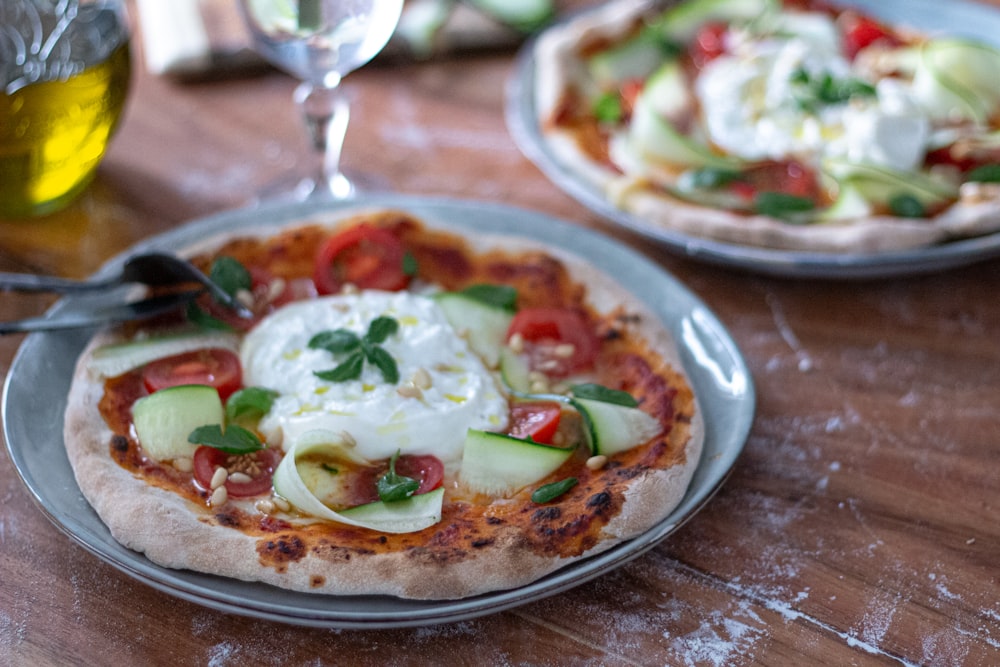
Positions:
(135, 310)
(151, 268)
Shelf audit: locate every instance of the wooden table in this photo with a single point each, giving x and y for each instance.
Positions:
(861, 525)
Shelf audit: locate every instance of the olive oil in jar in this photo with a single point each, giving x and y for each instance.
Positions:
(58, 111)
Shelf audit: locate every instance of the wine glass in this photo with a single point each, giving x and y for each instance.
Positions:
(319, 42)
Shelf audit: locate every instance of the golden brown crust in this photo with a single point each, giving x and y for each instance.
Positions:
(478, 546)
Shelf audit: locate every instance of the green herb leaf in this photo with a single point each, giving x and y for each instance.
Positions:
(710, 178)
(499, 296)
(608, 108)
(597, 392)
(337, 341)
(330, 469)
(380, 329)
(812, 91)
(392, 487)
(230, 275)
(349, 369)
(383, 361)
(235, 439)
(550, 492)
(907, 206)
(410, 266)
(252, 402)
(781, 205)
(197, 316)
(988, 173)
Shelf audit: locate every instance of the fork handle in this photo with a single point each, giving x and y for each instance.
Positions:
(29, 282)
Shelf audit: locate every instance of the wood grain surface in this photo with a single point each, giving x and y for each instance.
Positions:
(861, 525)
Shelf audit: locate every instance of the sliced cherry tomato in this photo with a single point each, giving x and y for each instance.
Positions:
(364, 256)
(258, 466)
(546, 331)
(538, 420)
(790, 178)
(862, 31)
(709, 43)
(428, 469)
(424, 467)
(215, 367)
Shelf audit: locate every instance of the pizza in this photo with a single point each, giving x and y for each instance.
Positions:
(796, 124)
(407, 411)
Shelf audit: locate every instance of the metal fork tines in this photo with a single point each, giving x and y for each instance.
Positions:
(103, 314)
(150, 268)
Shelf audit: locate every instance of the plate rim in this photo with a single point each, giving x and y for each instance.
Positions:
(519, 113)
(230, 595)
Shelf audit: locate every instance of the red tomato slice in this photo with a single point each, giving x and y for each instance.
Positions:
(790, 178)
(208, 459)
(364, 256)
(862, 31)
(215, 367)
(709, 43)
(538, 420)
(545, 330)
(426, 468)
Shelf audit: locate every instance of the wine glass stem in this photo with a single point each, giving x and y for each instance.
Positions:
(326, 114)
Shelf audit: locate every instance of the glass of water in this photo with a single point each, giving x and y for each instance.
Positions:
(64, 75)
(319, 42)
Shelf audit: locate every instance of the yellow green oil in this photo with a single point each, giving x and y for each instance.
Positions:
(53, 135)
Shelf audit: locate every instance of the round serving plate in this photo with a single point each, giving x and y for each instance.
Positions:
(35, 391)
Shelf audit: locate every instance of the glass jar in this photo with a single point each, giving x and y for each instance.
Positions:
(64, 75)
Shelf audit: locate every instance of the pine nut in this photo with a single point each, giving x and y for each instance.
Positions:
(422, 379)
(565, 350)
(244, 297)
(240, 478)
(264, 506)
(219, 497)
(409, 391)
(219, 478)
(516, 343)
(281, 503)
(597, 462)
(183, 464)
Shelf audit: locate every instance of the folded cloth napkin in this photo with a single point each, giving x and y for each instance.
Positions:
(192, 39)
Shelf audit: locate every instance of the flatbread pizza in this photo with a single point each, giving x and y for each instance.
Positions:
(408, 412)
(790, 124)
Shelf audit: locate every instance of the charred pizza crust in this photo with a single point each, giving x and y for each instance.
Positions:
(476, 547)
(561, 79)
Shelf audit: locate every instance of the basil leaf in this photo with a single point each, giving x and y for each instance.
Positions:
(249, 402)
(410, 265)
(608, 108)
(235, 439)
(350, 369)
(392, 487)
(230, 275)
(340, 340)
(781, 205)
(499, 296)
(988, 173)
(597, 392)
(710, 178)
(907, 206)
(550, 492)
(195, 315)
(383, 361)
(380, 329)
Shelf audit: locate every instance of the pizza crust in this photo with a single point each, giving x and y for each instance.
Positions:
(174, 532)
(559, 70)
